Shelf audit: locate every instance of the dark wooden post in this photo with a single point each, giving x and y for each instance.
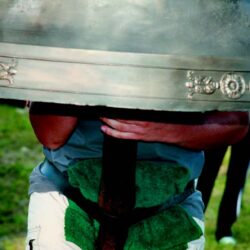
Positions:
(117, 191)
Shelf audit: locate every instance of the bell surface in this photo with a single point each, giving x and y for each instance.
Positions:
(161, 54)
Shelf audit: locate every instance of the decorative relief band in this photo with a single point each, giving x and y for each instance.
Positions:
(8, 71)
(232, 85)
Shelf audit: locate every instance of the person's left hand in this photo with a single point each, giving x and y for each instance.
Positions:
(139, 130)
(217, 128)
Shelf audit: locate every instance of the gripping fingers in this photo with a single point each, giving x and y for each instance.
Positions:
(119, 134)
(124, 125)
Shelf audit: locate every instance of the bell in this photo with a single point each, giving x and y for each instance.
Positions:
(161, 54)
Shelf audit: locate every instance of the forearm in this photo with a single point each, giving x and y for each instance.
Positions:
(218, 128)
(52, 130)
(207, 136)
(204, 131)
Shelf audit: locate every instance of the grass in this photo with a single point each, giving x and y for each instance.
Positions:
(20, 152)
(241, 228)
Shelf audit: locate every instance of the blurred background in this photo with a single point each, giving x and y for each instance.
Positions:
(20, 152)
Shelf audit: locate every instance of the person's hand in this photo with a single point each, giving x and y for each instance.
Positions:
(140, 130)
(217, 128)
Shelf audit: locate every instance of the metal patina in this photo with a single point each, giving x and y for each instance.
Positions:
(139, 54)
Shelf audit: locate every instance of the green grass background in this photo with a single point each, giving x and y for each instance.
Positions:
(20, 152)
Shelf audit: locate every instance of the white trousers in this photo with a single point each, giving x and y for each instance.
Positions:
(46, 224)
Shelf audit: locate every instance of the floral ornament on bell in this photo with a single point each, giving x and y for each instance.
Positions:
(232, 85)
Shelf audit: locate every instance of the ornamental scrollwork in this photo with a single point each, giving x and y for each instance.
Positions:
(8, 71)
(231, 85)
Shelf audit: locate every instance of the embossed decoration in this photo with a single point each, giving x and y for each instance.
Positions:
(7, 71)
(232, 85)
(200, 84)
